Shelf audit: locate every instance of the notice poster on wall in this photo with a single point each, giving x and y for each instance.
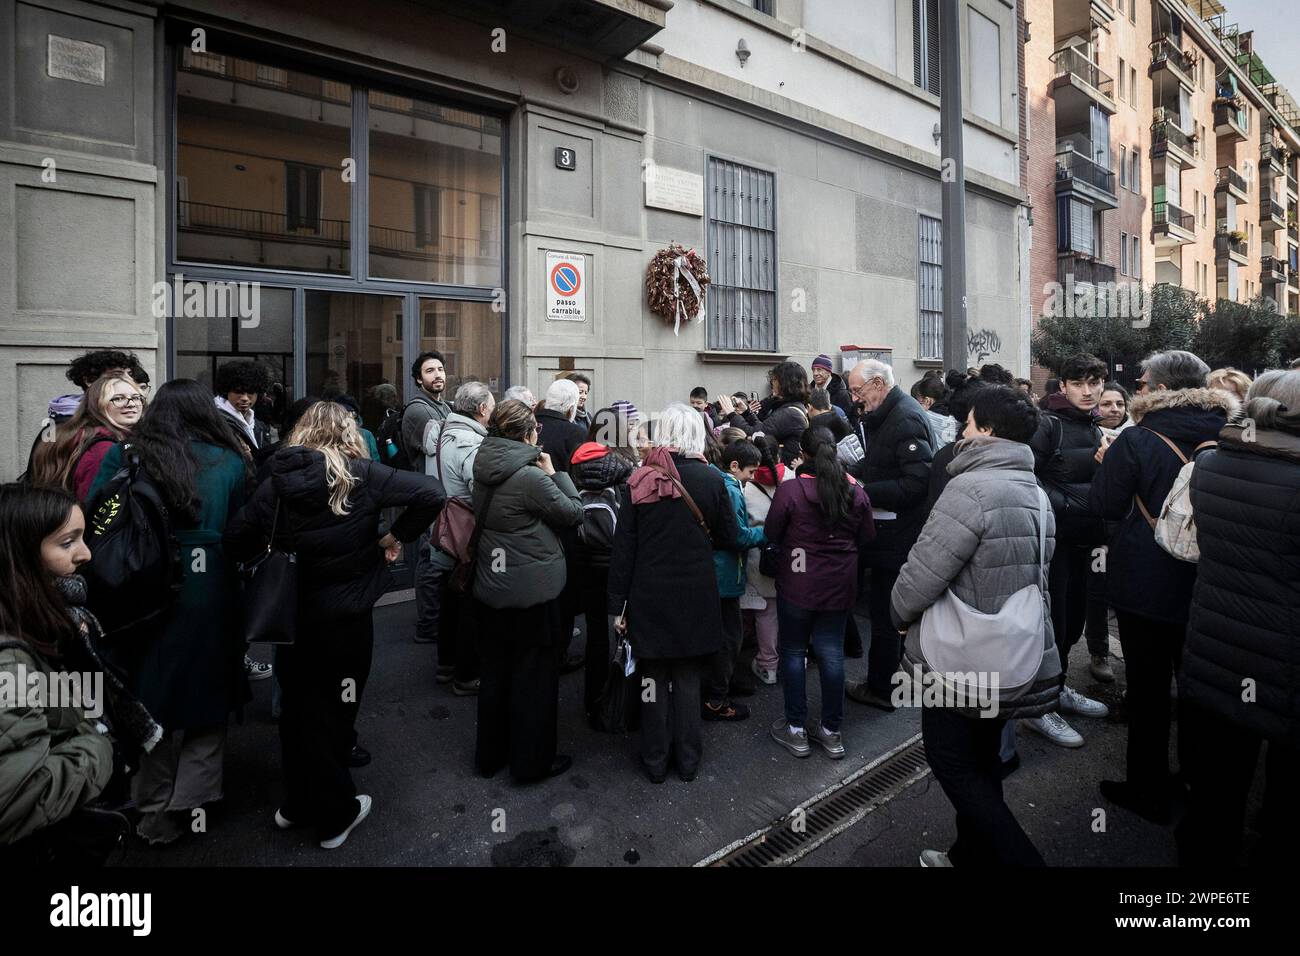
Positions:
(566, 286)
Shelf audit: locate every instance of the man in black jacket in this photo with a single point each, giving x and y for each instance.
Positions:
(559, 435)
(1065, 458)
(895, 474)
(825, 377)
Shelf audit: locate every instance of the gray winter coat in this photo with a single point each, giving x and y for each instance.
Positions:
(981, 540)
(459, 438)
(520, 559)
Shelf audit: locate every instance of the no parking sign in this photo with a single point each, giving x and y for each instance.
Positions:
(566, 286)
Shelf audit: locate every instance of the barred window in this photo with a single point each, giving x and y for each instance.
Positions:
(929, 292)
(741, 237)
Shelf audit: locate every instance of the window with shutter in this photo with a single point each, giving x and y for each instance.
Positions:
(741, 301)
(1123, 253)
(929, 291)
(925, 44)
(428, 215)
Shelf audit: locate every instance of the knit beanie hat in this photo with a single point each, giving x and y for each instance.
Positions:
(823, 361)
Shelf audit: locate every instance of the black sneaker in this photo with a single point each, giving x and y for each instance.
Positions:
(727, 710)
(359, 757)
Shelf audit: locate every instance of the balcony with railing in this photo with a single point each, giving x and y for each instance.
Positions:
(1293, 279)
(1272, 270)
(1230, 246)
(1229, 122)
(1228, 180)
(1076, 172)
(1167, 55)
(1169, 139)
(1271, 153)
(1291, 183)
(1272, 214)
(1172, 225)
(1080, 268)
(1074, 71)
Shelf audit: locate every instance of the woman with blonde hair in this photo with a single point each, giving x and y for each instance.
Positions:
(106, 414)
(323, 502)
(1230, 380)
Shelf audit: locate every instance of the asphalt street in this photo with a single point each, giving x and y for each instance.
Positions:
(432, 808)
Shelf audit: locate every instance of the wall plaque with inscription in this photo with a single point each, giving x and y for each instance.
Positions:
(76, 60)
(675, 189)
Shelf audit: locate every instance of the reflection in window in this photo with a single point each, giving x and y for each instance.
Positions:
(435, 192)
(205, 342)
(468, 334)
(261, 150)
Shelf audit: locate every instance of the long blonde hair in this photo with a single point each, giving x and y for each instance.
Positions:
(54, 462)
(330, 429)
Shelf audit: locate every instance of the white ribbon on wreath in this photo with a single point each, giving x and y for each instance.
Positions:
(682, 270)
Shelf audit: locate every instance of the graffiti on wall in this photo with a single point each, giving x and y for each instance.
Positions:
(983, 344)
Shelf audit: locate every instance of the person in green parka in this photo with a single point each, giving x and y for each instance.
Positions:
(188, 668)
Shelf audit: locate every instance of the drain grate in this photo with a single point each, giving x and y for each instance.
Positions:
(811, 824)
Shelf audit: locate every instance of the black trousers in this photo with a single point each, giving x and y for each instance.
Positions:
(322, 677)
(963, 753)
(670, 712)
(1067, 582)
(1153, 651)
(595, 609)
(519, 688)
(457, 643)
(1218, 761)
(724, 659)
(1097, 618)
(886, 643)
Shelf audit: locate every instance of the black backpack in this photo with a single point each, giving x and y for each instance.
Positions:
(392, 450)
(134, 575)
(599, 520)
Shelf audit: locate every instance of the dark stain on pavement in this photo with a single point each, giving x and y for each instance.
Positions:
(440, 713)
(534, 848)
(582, 783)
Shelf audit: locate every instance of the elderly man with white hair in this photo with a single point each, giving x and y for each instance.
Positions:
(895, 474)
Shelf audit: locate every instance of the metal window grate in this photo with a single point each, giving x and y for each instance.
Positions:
(925, 45)
(930, 288)
(741, 299)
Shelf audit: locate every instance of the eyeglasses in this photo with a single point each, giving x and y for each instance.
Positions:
(121, 401)
(1142, 385)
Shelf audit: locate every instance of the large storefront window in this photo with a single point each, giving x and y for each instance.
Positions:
(435, 192)
(260, 166)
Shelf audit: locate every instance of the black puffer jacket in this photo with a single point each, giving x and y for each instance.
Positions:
(1141, 577)
(895, 474)
(1245, 620)
(786, 422)
(595, 470)
(1065, 450)
(341, 570)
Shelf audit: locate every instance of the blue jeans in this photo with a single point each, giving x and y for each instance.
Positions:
(796, 627)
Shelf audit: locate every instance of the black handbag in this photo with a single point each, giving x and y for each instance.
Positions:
(618, 708)
(270, 606)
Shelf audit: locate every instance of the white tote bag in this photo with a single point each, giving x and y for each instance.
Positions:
(964, 646)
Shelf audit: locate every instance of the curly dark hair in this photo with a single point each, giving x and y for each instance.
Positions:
(244, 375)
(792, 380)
(1007, 411)
(88, 368)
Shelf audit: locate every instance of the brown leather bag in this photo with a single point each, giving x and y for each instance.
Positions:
(454, 528)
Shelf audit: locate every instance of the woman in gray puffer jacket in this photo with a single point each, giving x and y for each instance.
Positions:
(520, 502)
(982, 541)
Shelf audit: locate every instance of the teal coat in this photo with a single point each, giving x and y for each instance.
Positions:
(189, 670)
(730, 566)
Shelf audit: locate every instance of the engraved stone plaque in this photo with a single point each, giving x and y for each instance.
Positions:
(76, 60)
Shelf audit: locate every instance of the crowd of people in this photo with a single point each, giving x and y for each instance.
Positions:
(974, 521)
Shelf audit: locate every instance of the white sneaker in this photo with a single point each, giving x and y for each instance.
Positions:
(766, 676)
(1054, 728)
(577, 631)
(1072, 702)
(283, 822)
(256, 670)
(335, 842)
(931, 858)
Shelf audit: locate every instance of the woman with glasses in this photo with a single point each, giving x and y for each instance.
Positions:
(108, 411)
